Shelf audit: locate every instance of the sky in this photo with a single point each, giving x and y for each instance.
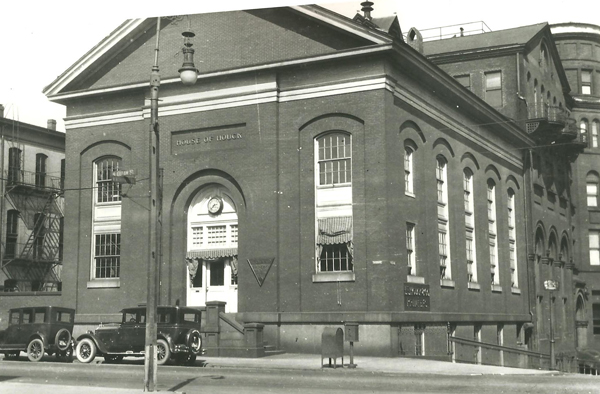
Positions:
(40, 40)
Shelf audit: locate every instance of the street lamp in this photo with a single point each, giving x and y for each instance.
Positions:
(551, 285)
(155, 201)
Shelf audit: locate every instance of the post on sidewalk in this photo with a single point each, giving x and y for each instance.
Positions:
(351, 336)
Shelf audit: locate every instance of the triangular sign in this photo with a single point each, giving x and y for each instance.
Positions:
(260, 268)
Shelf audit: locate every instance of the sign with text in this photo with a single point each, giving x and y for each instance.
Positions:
(209, 138)
(416, 297)
(124, 176)
(260, 268)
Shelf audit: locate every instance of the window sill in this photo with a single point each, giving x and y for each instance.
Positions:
(321, 277)
(415, 279)
(496, 289)
(409, 194)
(473, 286)
(447, 283)
(103, 283)
(515, 290)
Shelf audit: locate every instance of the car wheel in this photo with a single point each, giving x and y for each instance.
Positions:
(194, 341)
(62, 340)
(112, 358)
(86, 350)
(163, 352)
(35, 350)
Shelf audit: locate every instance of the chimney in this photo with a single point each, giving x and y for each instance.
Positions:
(462, 32)
(1, 111)
(52, 124)
(367, 8)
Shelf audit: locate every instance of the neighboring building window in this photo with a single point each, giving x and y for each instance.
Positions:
(39, 233)
(596, 318)
(107, 190)
(594, 139)
(594, 247)
(592, 181)
(61, 238)
(334, 248)
(493, 88)
(14, 166)
(410, 249)
(62, 174)
(443, 226)
(107, 256)
(335, 159)
(491, 198)
(408, 170)
(512, 240)
(469, 226)
(586, 82)
(464, 80)
(40, 170)
(12, 233)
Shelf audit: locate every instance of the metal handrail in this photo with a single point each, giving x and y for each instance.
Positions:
(498, 347)
(16, 176)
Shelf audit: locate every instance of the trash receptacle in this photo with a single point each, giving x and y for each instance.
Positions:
(332, 345)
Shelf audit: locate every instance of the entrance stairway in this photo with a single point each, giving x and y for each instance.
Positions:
(226, 337)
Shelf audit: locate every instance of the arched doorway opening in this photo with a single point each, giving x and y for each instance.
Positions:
(581, 322)
(212, 241)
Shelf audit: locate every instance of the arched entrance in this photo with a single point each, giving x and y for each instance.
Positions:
(581, 322)
(212, 240)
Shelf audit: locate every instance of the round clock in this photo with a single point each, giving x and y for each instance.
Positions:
(215, 204)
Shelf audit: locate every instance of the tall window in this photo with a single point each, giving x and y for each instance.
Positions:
(512, 240)
(419, 340)
(469, 226)
(40, 170)
(594, 247)
(335, 163)
(334, 248)
(39, 230)
(591, 187)
(12, 233)
(410, 249)
(442, 205)
(408, 170)
(14, 166)
(107, 256)
(107, 190)
(596, 318)
(493, 88)
(491, 190)
(595, 129)
(62, 174)
(586, 82)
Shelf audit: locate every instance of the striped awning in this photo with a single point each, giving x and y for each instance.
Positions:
(212, 253)
(336, 230)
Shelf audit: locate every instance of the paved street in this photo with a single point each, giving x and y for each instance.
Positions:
(286, 376)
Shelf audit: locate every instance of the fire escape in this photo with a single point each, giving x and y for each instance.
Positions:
(32, 258)
(553, 128)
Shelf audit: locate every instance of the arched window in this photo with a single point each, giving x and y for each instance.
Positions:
(492, 234)
(15, 174)
(543, 56)
(595, 129)
(512, 240)
(334, 247)
(470, 226)
(583, 127)
(106, 189)
(408, 171)
(592, 180)
(443, 226)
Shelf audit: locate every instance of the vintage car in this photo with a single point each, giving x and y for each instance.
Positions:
(178, 336)
(38, 330)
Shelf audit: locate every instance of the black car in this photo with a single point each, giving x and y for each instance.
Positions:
(38, 330)
(178, 336)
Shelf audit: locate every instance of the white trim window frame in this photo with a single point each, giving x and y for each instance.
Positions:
(492, 233)
(443, 222)
(586, 82)
(595, 129)
(493, 88)
(594, 242)
(410, 249)
(470, 237)
(408, 171)
(334, 161)
(591, 189)
(512, 240)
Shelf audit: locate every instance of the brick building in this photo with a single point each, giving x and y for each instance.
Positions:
(323, 171)
(579, 48)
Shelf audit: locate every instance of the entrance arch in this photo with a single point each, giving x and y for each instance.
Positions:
(212, 242)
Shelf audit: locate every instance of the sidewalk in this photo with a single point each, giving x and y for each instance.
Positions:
(364, 365)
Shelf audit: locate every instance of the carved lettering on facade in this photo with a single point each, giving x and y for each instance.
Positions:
(416, 297)
(209, 139)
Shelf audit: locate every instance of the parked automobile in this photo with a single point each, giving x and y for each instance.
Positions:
(38, 330)
(178, 337)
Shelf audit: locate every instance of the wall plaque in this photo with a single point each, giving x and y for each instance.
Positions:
(260, 268)
(416, 297)
(209, 138)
